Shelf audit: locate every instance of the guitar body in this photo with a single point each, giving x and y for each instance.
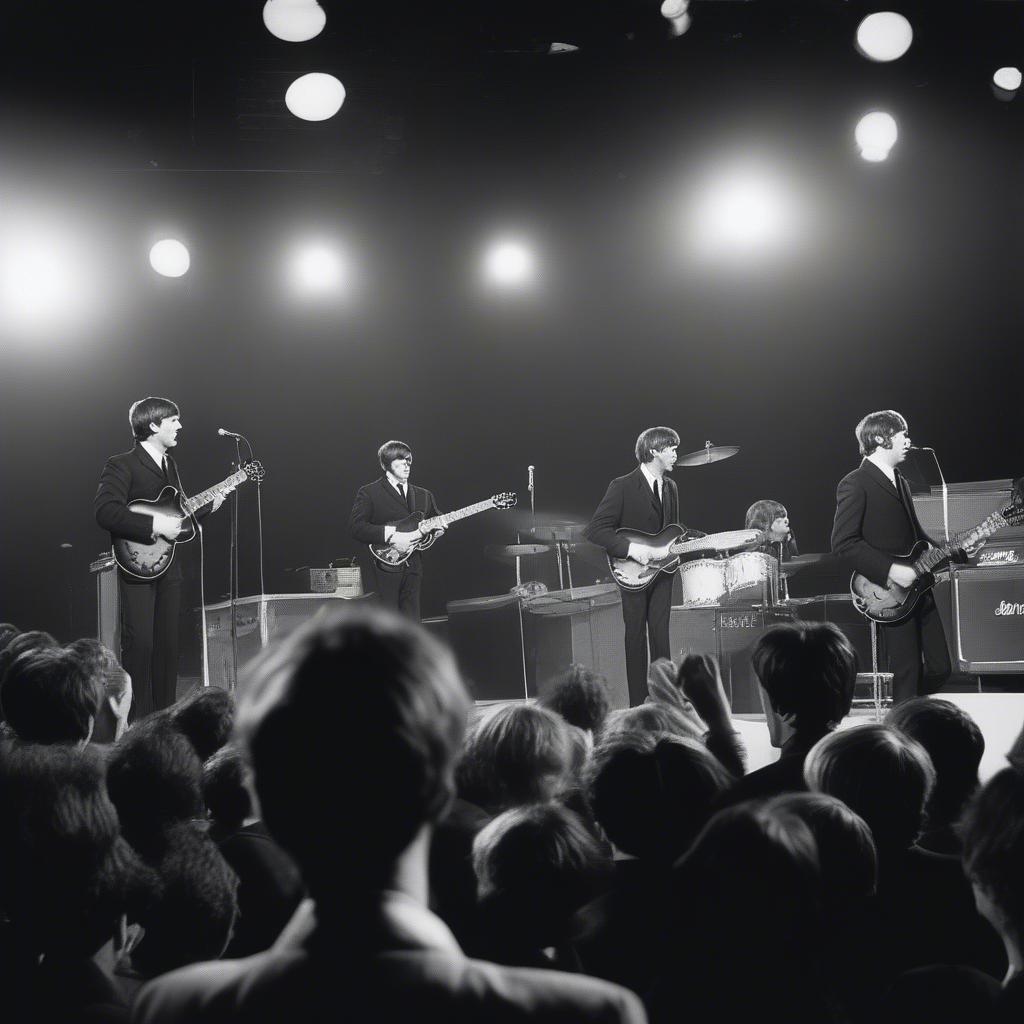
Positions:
(630, 575)
(891, 604)
(148, 560)
(391, 558)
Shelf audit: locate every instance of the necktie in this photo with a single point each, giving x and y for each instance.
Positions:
(657, 492)
(401, 491)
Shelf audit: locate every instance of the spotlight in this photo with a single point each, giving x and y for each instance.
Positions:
(316, 270)
(509, 263)
(169, 257)
(740, 212)
(315, 97)
(294, 21)
(884, 36)
(677, 14)
(1008, 80)
(876, 134)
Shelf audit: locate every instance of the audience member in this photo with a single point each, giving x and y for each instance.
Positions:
(808, 671)
(746, 934)
(580, 696)
(387, 739)
(205, 716)
(650, 794)
(536, 867)
(20, 643)
(955, 745)
(69, 884)
(925, 905)
(50, 695)
(116, 684)
(269, 886)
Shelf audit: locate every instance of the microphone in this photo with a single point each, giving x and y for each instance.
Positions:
(920, 448)
(529, 470)
(229, 433)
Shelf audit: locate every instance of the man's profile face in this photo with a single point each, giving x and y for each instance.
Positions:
(666, 457)
(166, 431)
(401, 468)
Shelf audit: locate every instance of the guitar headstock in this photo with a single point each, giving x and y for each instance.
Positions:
(507, 499)
(1013, 513)
(254, 471)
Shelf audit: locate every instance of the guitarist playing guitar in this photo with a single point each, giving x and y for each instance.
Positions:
(875, 524)
(388, 500)
(149, 607)
(645, 500)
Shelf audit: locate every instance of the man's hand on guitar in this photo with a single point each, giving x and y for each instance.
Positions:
(218, 501)
(641, 553)
(167, 527)
(902, 575)
(403, 542)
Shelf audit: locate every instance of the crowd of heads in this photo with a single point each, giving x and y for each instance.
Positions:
(588, 839)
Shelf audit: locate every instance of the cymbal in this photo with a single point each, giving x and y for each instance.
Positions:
(709, 453)
(508, 551)
(554, 531)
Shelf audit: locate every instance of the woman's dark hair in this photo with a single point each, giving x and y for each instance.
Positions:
(205, 717)
(225, 788)
(808, 670)
(148, 411)
(580, 696)
(515, 754)
(651, 794)
(993, 839)
(881, 774)
(102, 664)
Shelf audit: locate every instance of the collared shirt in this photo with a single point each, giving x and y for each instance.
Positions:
(650, 477)
(155, 454)
(888, 470)
(398, 485)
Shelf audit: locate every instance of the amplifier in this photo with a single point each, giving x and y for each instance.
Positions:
(108, 603)
(988, 615)
(967, 505)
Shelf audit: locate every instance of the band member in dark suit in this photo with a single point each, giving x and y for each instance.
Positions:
(875, 521)
(647, 500)
(378, 506)
(149, 608)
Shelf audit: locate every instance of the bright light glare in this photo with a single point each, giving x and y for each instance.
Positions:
(673, 9)
(876, 134)
(739, 213)
(509, 263)
(45, 278)
(170, 258)
(1008, 79)
(317, 270)
(315, 97)
(294, 21)
(884, 36)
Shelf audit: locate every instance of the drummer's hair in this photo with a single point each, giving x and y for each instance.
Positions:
(391, 450)
(654, 439)
(885, 424)
(763, 513)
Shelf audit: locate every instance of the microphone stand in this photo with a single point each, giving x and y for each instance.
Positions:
(233, 570)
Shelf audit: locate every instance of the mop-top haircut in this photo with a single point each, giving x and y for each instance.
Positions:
(653, 439)
(148, 411)
(885, 423)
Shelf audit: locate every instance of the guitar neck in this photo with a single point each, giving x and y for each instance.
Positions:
(934, 557)
(453, 517)
(197, 501)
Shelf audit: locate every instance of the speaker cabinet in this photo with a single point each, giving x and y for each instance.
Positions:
(988, 614)
(486, 634)
(108, 603)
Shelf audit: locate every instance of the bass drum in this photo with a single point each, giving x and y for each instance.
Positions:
(703, 582)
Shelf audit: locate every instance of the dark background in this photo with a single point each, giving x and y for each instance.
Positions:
(897, 286)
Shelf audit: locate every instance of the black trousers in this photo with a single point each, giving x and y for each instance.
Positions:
(916, 652)
(400, 591)
(149, 641)
(645, 614)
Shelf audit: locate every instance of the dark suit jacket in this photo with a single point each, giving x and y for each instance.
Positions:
(400, 964)
(629, 502)
(128, 477)
(786, 775)
(873, 521)
(378, 505)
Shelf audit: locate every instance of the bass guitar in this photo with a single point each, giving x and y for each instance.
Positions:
(891, 604)
(146, 560)
(683, 545)
(392, 557)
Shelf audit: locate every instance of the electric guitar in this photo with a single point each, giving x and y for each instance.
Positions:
(146, 560)
(683, 545)
(390, 556)
(891, 603)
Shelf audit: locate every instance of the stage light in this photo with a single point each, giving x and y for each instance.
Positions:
(315, 97)
(317, 270)
(673, 9)
(294, 21)
(509, 264)
(876, 135)
(740, 212)
(170, 258)
(884, 36)
(1007, 79)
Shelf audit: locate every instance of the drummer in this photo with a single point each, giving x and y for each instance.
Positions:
(772, 517)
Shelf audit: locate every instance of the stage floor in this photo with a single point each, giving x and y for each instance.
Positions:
(1000, 717)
